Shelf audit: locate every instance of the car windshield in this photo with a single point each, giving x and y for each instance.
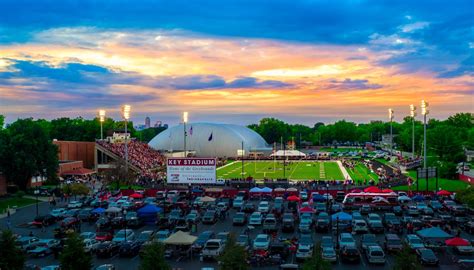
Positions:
(377, 253)
(212, 246)
(415, 241)
(261, 240)
(303, 249)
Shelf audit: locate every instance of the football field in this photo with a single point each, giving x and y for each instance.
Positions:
(295, 170)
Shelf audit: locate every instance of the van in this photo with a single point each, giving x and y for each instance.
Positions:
(359, 226)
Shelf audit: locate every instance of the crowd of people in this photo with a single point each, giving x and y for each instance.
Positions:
(140, 154)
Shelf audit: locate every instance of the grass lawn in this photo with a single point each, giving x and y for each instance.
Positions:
(304, 170)
(443, 183)
(361, 173)
(18, 202)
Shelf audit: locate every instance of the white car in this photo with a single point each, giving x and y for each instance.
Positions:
(74, 204)
(304, 252)
(263, 207)
(329, 254)
(238, 202)
(262, 241)
(255, 218)
(58, 212)
(346, 239)
(88, 235)
(90, 245)
(375, 254)
(359, 226)
(123, 235)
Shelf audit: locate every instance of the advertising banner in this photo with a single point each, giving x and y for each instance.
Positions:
(191, 170)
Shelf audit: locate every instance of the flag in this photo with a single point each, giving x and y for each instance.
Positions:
(210, 137)
(191, 131)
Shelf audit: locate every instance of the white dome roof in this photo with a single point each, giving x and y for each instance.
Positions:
(225, 140)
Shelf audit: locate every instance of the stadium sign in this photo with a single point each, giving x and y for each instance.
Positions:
(191, 170)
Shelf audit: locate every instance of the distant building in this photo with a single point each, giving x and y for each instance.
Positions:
(147, 122)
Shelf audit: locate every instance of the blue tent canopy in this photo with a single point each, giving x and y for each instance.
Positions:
(318, 198)
(99, 210)
(149, 209)
(433, 232)
(418, 198)
(148, 213)
(197, 190)
(266, 189)
(342, 216)
(255, 189)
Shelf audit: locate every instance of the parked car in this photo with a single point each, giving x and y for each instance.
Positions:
(248, 208)
(427, 256)
(193, 217)
(288, 223)
(376, 226)
(322, 222)
(368, 240)
(129, 249)
(255, 218)
(375, 255)
(145, 236)
(270, 223)
(329, 254)
(262, 241)
(350, 254)
(263, 207)
(414, 242)
(365, 209)
(212, 249)
(392, 242)
(74, 204)
(238, 203)
(359, 226)
(346, 239)
(107, 249)
(88, 235)
(45, 220)
(327, 241)
(243, 240)
(202, 239)
(104, 236)
(90, 245)
(58, 213)
(161, 235)
(210, 217)
(124, 235)
(303, 252)
(239, 219)
(85, 214)
(42, 248)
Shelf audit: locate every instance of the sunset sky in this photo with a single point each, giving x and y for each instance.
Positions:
(236, 61)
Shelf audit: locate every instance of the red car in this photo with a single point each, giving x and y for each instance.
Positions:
(69, 222)
(104, 236)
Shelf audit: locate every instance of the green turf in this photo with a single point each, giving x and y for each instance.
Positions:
(361, 173)
(443, 183)
(303, 170)
(18, 202)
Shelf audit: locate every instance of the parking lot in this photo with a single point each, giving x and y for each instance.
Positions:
(21, 220)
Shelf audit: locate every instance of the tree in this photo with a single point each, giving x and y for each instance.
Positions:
(2, 121)
(147, 134)
(76, 189)
(118, 174)
(234, 257)
(444, 141)
(316, 262)
(466, 196)
(11, 257)
(406, 259)
(27, 151)
(153, 257)
(73, 256)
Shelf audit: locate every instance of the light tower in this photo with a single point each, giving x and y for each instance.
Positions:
(424, 112)
(413, 115)
(185, 120)
(126, 116)
(101, 120)
(391, 115)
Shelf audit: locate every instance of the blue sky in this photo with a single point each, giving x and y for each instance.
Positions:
(216, 57)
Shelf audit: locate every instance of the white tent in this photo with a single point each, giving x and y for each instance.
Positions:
(180, 239)
(288, 153)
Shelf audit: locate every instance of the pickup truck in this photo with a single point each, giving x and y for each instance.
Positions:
(212, 249)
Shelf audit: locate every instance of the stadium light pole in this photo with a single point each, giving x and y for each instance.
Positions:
(242, 156)
(390, 116)
(185, 120)
(101, 120)
(126, 116)
(413, 115)
(424, 112)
